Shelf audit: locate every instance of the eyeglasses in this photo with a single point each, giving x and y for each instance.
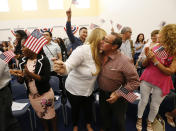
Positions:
(106, 40)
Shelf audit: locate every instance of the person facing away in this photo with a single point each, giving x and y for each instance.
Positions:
(82, 32)
(117, 70)
(82, 67)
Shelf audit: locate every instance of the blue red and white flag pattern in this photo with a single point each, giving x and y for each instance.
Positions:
(7, 56)
(35, 41)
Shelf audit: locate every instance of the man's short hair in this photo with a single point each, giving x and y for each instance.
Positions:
(154, 32)
(82, 29)
(125, 29)
(49, 33)
(118, 40)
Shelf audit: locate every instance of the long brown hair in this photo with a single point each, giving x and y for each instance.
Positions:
(94, 40)
(168, 38)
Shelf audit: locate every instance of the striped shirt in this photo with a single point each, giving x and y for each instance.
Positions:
(117, 71)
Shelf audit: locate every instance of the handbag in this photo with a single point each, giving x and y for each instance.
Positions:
(158, 124)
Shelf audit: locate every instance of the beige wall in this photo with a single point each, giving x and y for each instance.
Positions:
(16, 12)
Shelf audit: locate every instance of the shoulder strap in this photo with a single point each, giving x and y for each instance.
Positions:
(132, 48)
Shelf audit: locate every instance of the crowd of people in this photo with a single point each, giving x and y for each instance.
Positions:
(111, 60)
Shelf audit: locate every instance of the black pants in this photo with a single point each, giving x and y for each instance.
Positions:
(112, 113)
(78, 103)
(7, 120)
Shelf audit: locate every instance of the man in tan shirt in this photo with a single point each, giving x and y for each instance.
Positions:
(117, 70)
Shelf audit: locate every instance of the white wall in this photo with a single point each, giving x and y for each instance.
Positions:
(142, 16)
(57, 24)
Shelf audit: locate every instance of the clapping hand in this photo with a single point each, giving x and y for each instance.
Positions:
(149, 53)
(16, 73)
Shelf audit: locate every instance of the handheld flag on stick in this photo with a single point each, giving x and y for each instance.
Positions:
(163, 23)
(119, 26)
(111, 22)
(92, 26)
(129, 96)
(35, 41)
(7, 56)
(161, 53)
(102, 21)
(75, 2)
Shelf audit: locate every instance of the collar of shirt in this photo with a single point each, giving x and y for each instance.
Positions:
(113, 55)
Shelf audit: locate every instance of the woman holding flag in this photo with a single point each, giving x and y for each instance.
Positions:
(35, 72)
(82, 68)
(160, 64)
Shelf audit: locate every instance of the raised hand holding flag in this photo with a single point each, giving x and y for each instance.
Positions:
(92, 26)
(75, 2)
(119, 26)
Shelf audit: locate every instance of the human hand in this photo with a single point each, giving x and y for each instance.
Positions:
(16, 72)
(149, 53)
(113, 98)
(59, 67)
(69, 13)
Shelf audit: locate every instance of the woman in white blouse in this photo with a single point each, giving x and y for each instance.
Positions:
(82, 68)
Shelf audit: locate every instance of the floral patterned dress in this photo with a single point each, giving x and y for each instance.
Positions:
(42, 104)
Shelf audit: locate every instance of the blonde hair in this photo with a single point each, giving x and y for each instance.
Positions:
(168, 38)
(94, 40)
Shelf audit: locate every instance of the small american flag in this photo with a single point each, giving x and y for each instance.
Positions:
(35, 41)
(119, 26)
(75, 2)
(129, 96)
(111, 22)
(102, 20)
(161, 53)
(92, 26)
(7, 56)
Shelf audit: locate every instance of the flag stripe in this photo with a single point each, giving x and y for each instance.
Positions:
(7, 56)
(129, 96)
(35, 41)
(40, 44)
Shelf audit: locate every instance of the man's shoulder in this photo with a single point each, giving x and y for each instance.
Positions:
(122, 57)
(53, 43)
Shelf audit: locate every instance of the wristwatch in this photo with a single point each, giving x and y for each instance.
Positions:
(156, 63)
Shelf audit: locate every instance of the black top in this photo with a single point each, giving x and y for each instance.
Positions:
(43, 69)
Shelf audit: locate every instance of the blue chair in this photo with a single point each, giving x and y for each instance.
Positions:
(20, 96)
(62, 101)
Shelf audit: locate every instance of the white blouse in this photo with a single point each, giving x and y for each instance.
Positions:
(80, 67)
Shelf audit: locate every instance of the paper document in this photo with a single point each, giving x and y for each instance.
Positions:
(18, 106)
(139, 95)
